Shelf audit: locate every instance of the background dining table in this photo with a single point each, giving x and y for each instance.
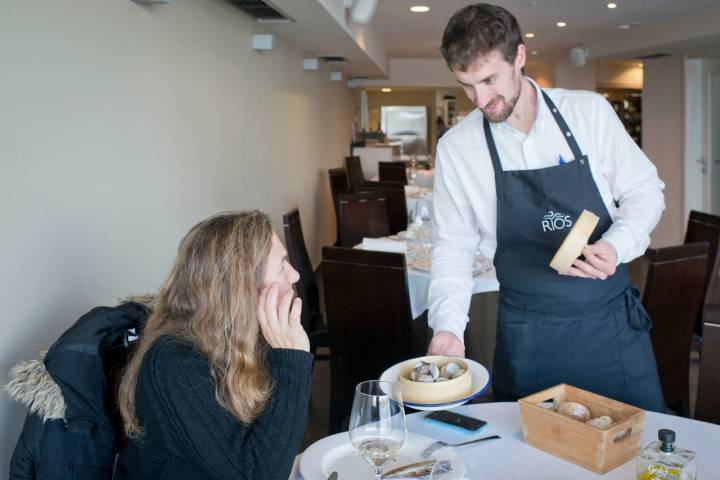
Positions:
(510, 458)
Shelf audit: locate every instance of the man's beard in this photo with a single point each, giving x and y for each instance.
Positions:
(507, 107)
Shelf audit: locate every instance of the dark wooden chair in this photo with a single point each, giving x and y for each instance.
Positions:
(673, 293)
(339, 183)
(362, 215)
(367, 304)
(707, 406)
(396, 203)
(311, 318)
(394, 192)
(393, 172)
(704, 227)
(355, 174)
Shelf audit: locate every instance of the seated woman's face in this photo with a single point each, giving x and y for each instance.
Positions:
(278, 268)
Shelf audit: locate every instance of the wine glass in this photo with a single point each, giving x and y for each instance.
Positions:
(423, 211)
(423, 215)
(377, 423)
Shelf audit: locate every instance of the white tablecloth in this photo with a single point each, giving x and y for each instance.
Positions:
(510, 458)
(419, 282)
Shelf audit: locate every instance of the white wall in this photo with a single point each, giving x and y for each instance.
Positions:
(663, 120)
(575, 78)
(121, 127)
(415, 72)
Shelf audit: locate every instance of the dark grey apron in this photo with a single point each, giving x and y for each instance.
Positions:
(552, 328)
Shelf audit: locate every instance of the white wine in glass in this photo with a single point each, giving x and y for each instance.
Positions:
(377, 423)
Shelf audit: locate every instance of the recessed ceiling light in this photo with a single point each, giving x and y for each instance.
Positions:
(534, 52)
(419, 9)
(612, 5)
(624, 26)
(386, 90)
(561, 24)
(530, 35)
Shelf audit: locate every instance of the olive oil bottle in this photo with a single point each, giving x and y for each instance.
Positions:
(662, 461)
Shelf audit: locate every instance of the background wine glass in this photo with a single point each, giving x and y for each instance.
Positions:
(422, 219)
(377, 423)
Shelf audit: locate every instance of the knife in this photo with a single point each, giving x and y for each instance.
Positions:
(492, 437)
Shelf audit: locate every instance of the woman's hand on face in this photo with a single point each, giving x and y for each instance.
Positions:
(279, 318)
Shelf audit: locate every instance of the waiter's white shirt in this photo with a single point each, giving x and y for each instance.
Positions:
(464, 200)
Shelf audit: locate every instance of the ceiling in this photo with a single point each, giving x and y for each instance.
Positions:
(412, 35)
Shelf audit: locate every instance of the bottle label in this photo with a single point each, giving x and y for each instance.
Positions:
(659, 472)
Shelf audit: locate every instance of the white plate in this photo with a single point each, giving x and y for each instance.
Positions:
(336, 454)
(480, 382)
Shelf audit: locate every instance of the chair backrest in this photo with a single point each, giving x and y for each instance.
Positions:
(396, 203)
(362, 215)
(707, 406)
(673, 293)
(339, 183)
(307, 287)
(704, 227)
(393, 172)
(367, 304)
(355, 173)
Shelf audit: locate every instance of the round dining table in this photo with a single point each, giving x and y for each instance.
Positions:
(510, 458)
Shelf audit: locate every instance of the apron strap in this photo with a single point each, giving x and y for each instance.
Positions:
(494, 156)
(569, 137)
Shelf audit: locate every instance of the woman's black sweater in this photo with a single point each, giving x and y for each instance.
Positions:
(188, 435)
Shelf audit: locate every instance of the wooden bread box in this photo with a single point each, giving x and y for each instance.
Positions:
(592, 448)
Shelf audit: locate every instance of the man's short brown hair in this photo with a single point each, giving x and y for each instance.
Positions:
(477, 30)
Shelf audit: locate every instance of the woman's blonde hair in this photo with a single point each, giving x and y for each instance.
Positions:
(210, 299)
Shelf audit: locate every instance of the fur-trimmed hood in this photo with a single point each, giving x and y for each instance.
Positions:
(68, 381)
(31, 385)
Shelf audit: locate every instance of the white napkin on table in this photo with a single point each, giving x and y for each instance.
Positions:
(384, 245)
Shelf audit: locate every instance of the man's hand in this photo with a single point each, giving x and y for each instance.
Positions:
(599, 263)
(445, 343)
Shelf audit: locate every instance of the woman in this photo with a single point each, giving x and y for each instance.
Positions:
(220, 383)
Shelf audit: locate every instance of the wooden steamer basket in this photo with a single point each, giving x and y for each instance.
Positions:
(597, 450)
(434, 393)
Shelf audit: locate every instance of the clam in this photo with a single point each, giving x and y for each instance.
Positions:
(449, 369)
(426, 368)
(430, 372)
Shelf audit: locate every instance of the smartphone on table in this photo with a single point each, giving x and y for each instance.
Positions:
(457, 420)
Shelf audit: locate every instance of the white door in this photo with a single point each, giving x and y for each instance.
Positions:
(695, 161)
(713, 142)
(702, 136)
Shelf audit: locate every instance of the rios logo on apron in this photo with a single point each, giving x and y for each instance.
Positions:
(554, 221)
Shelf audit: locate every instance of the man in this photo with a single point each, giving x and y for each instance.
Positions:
(505, 175)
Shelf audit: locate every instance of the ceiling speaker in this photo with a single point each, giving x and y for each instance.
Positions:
(578, 56)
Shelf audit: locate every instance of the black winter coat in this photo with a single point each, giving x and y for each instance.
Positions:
(68, 433)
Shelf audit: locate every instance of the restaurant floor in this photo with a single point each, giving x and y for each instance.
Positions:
(317, 424)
